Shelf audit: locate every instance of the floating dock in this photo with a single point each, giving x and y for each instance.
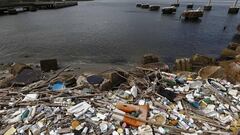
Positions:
(41, 5)
(145, 6)
(169, 10)
(234, 9)
(192, 14)
(154, 7)
(15, 8)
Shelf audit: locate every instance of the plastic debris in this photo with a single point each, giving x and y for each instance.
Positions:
(143, 101)
(57, 86)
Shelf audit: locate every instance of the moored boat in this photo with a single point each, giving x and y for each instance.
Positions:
(169, 10)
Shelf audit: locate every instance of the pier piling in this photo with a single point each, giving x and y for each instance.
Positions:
(208, 7)
(234, 9)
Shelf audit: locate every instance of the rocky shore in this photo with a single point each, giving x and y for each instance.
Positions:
(200, 96)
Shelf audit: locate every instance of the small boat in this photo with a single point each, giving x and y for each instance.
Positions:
(154, 7)
(169, 10)
(192, 14)
(145, 6)
(189, 6)
(138, 5)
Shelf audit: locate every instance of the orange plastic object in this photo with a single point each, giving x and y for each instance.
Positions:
(75, 124)
(128, 108)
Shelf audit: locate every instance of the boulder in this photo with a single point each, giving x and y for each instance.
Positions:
(26, 76)
(212, 72)
(106, 85)
(117, 77)
(199, 61)
(229, 53)
(183, 64)
(149, 58)
(238, 49)
(233, 72)
(159, 65)
(4, 83)
(236, 38)
(17, 68)
(233, 46)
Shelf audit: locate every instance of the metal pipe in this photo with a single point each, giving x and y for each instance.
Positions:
(235, 3)
(177, 1)
(209, 2)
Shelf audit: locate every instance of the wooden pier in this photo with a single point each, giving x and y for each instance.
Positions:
(41, 5)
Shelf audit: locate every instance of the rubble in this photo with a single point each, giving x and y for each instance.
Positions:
(143, 100)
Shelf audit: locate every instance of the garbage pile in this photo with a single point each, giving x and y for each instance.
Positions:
(146, 100)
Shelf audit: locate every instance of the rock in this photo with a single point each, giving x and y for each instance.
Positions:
(233, 72)
(199, 61)
(237, 58)
(229, 53)
(158, 65)
(238, 49)
(106, 85)
(233, 46)
(26, 76)
(95, 79)
(117, 78)
(187, 74)
(236, 38)
(150, 58)
(6, 82)
(17, 68)
(212, 72)
(183, 64)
